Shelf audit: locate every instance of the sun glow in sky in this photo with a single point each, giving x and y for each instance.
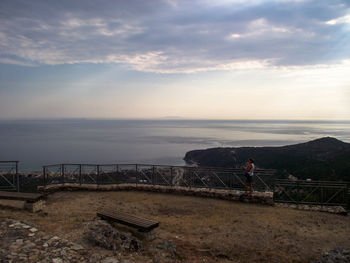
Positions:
(229, 59)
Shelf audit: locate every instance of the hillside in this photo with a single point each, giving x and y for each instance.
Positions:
(322, 159)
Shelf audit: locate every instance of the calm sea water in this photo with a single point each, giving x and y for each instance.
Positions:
(38, 142)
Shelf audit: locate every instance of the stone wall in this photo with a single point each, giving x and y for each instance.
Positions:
(320, 208)
(265, 198)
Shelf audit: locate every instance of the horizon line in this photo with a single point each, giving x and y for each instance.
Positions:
(174, 119)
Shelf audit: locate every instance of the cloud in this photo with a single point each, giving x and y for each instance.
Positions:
(14, 62)
(175, 36)
(339, 20)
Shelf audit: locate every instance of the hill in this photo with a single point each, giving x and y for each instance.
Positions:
(321, 159)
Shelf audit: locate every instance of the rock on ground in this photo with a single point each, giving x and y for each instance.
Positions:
(104, 235)
(336, 255)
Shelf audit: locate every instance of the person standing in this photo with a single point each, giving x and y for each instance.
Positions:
(249, 172)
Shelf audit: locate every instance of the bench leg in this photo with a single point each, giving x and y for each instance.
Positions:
(149, 236)
(35, 207)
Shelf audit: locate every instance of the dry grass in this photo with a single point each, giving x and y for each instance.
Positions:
(203, 229)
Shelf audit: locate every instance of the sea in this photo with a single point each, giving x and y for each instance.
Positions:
(35, 143)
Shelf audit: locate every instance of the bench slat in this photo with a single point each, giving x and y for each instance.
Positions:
(141, 221)
(29, 197)
(133, 220)
(142, 224)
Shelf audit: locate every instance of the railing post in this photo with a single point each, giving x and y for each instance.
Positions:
(117, 174)
(153, 181)
(44, 175)
(210, 180)
(17, 175)
(80, 179)
(298, 186)
(137, 174)
(347, 197)
(191, 177)
(98, 174)
(62, 173)
(171, 176)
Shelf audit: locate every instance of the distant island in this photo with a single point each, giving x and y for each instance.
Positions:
(321, 159)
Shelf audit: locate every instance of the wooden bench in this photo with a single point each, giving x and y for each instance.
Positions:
(141, 224)
(30, 201)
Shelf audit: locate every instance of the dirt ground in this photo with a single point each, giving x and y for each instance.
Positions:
(204, 230)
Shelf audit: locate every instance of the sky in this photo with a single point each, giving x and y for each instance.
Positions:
(200, 59)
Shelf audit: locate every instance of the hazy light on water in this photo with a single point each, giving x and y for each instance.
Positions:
(40, 142)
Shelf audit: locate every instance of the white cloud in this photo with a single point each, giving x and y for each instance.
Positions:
(339, 20)
(234, 35)
(160, 63)
(97, 26)
(261, 26)
(14, 62)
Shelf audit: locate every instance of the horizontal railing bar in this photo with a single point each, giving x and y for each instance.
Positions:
(313, 181)
(86, 164)
(164, 165)
(313, 185)
(309, 203)
(305, 187)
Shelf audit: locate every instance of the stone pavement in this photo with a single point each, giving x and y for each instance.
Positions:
(21, 242)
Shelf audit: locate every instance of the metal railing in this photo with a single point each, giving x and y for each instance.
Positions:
(187, 176)
(284, 191)
(9, 177)
(311, 192)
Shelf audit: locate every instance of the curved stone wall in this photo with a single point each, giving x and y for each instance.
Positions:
(265, 198)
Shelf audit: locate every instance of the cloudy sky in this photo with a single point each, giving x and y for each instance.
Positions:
(222, 59)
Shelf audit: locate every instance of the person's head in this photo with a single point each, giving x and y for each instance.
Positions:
(251, 160)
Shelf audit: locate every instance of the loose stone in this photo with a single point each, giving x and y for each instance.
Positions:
(77, 247)
(57, 260)
(110, 260)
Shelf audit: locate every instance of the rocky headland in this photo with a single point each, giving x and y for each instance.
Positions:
(321, 159)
